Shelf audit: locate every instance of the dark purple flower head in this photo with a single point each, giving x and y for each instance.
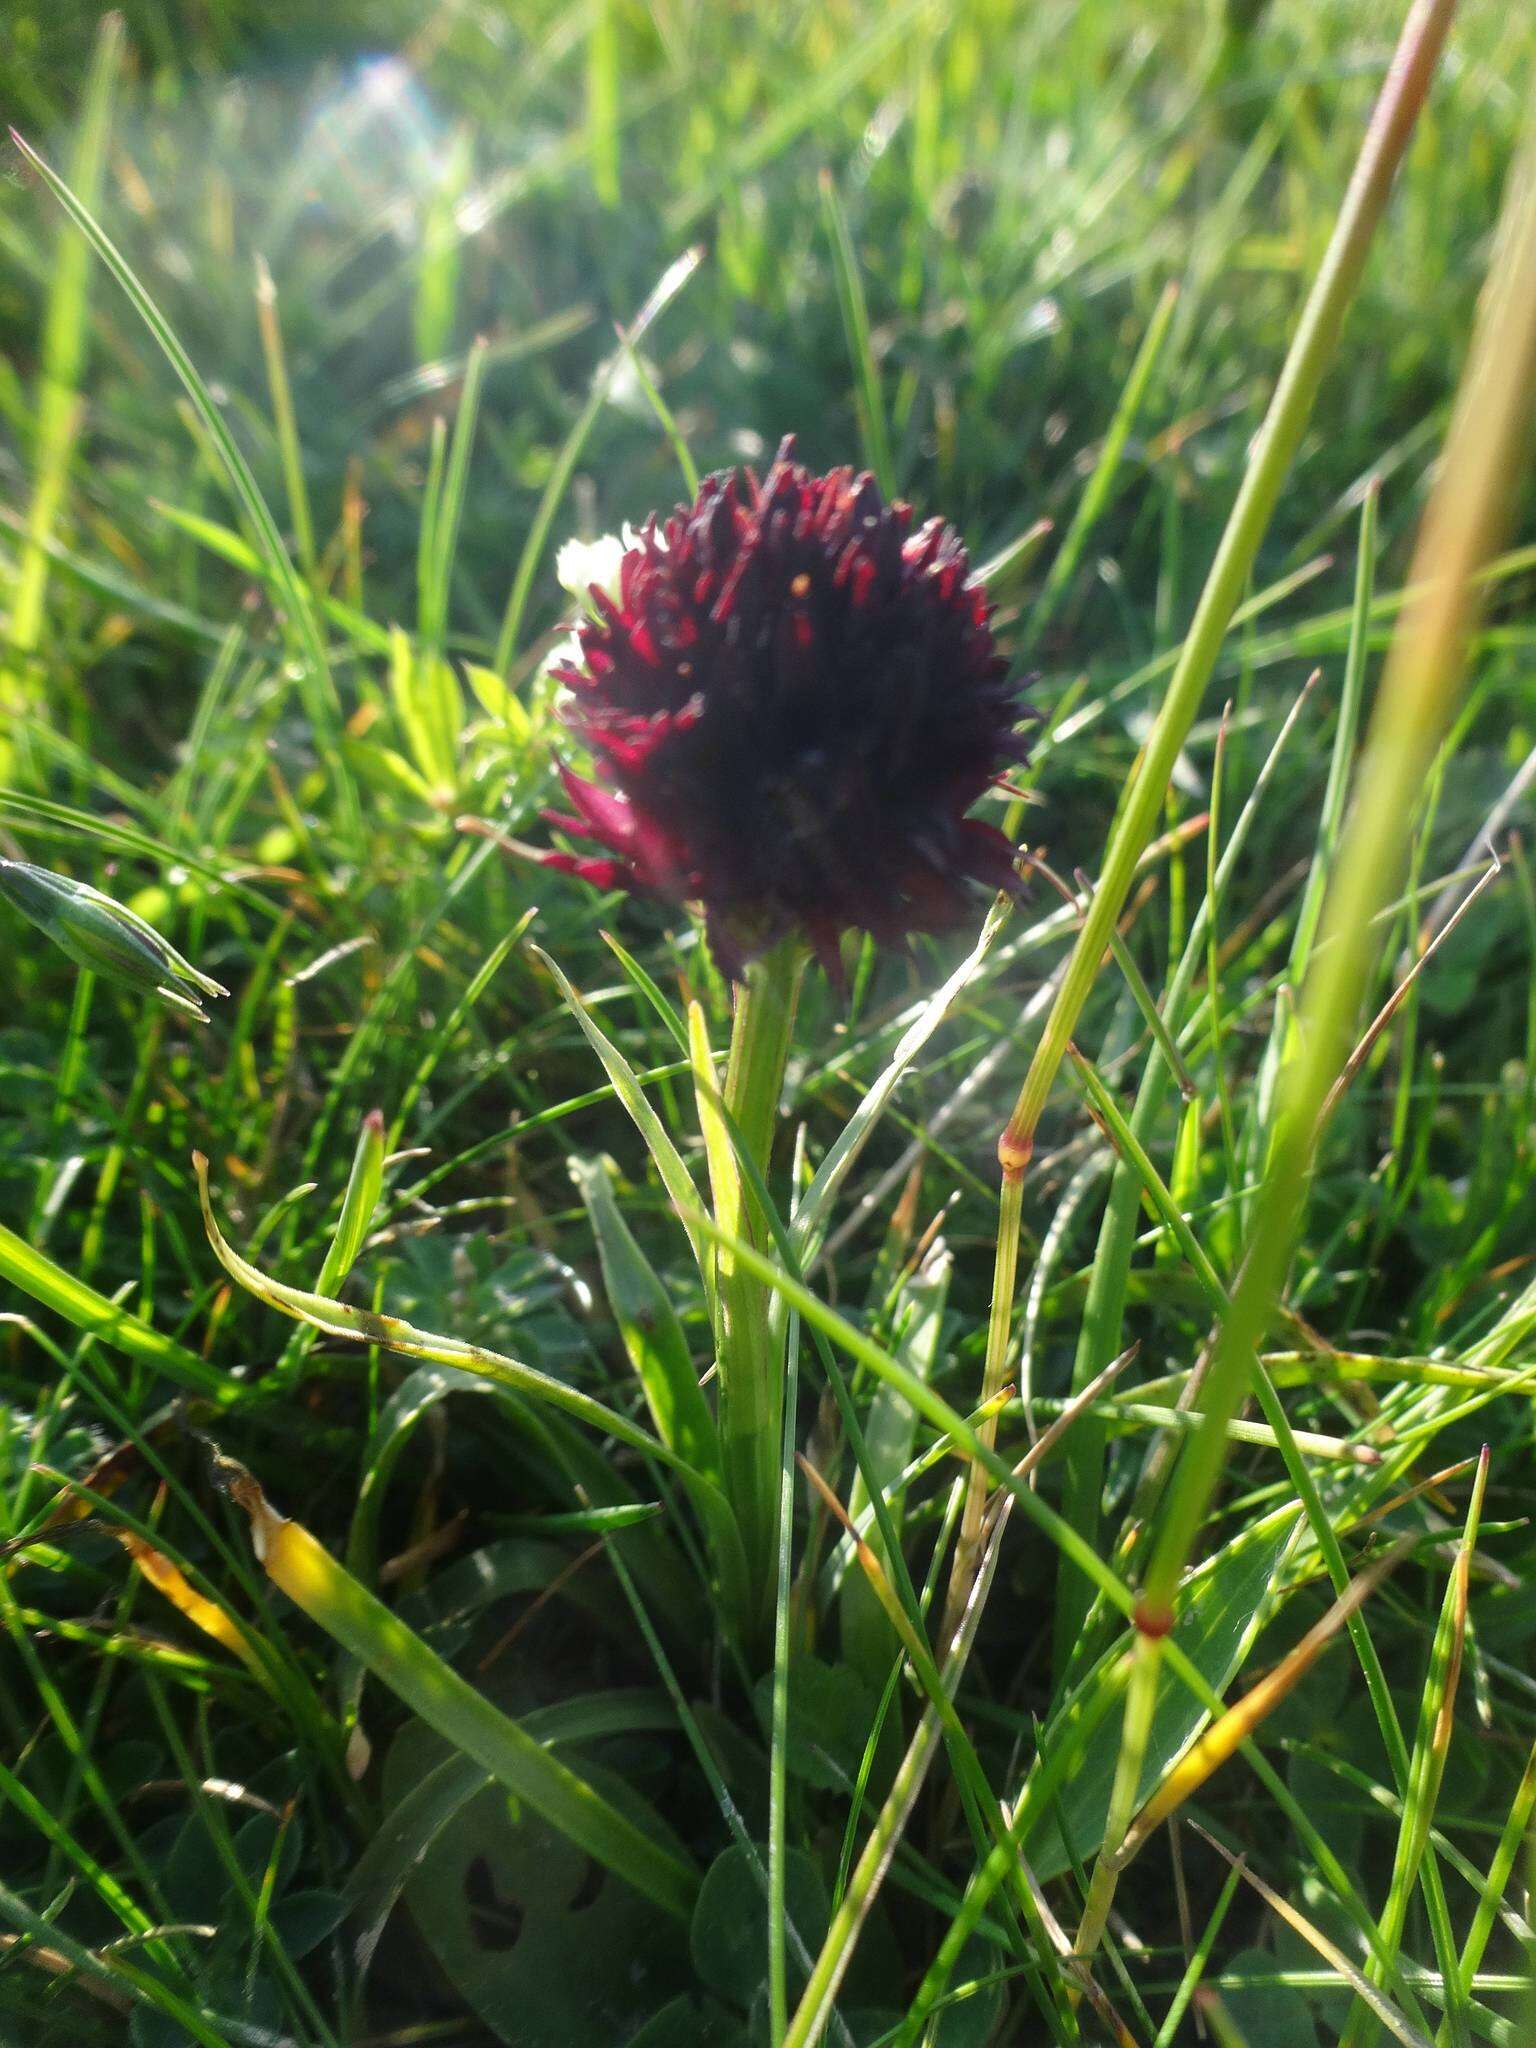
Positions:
(792, 704)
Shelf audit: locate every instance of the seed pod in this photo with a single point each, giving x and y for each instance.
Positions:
(105, 936)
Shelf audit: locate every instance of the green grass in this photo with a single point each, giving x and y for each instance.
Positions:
(561, 1710)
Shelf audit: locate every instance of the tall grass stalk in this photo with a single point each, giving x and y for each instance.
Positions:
(1460, 531)
(1419, 688)
(749, 1339)
(1322, 319)
(1402, 95)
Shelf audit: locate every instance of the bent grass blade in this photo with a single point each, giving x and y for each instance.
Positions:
(369, 1326)
(79, 1303)
(365, 1627)
(1330, 1951)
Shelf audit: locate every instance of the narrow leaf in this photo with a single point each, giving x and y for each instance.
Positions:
(649, 1325)
(330, 1596)
(357, 1204)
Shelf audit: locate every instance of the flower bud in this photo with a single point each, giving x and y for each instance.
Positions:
(105, 936)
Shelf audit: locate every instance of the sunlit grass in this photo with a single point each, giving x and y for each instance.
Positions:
(311, 366)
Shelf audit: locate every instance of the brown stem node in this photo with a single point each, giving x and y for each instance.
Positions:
(1153, 1620)
(1014, 1154)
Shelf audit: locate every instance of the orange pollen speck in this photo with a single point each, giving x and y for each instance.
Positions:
(800, 586)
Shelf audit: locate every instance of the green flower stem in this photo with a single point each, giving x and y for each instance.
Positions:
(750, 1348)
(765, 1015)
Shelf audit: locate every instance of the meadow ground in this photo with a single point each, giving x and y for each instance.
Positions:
(561, 1728)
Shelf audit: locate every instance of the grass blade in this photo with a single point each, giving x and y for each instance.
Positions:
(1224, 1737)
(1330, 1951)
(1423, 673)
(648, 1323)
(675, 1177)
(1427, 1769)
(358, 1202)
(1097, 491)
(842, 1155)
(365, 1627)
(1317, 335)
(321, 701)
(873, 430)
(44, 1280)
(667, 288)
(368, 1326)
(57, 410)
(270, 326)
